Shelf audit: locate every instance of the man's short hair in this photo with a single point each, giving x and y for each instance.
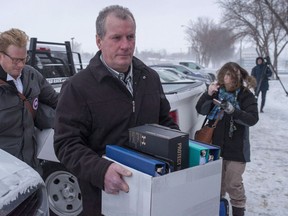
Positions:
(119, 11)
(14, 37)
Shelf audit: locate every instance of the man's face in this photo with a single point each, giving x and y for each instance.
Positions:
(13, 60)
(118, 44)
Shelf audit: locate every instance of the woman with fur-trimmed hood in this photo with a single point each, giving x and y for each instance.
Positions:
(232, 131)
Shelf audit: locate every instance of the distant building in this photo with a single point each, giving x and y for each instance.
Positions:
(248, 57)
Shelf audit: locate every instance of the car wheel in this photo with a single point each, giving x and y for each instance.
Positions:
(64, 194)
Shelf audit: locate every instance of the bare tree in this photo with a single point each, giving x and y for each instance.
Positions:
(209, 42)
(222, 45)
(279, 38)
(280, 10)
(252, 19)
(247, 20)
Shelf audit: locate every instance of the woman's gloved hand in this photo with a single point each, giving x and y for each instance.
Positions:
(227, 107)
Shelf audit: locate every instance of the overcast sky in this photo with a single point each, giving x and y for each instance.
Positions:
(158, 21)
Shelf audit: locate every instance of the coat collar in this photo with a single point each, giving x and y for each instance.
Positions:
(3, 74)
(100, 71)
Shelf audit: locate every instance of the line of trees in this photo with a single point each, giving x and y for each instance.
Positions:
(210, 42)
(254, 21)
(260, 22)
(263, 23)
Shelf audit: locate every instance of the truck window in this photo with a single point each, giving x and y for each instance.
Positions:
(51, 66)
(55, 61)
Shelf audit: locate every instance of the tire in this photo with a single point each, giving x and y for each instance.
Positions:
(64, 194)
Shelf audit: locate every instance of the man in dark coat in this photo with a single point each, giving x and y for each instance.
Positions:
(261, 72)
(98, 105)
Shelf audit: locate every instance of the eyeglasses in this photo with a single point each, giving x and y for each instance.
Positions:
(17, 60)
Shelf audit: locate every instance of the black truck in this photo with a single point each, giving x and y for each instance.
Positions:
(56, 61)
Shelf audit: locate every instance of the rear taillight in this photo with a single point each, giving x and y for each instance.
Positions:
(174, 116)
(43, 49)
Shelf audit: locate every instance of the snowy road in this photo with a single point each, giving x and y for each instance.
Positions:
(266, 176)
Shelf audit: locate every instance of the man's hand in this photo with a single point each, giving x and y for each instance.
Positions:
(113, 181)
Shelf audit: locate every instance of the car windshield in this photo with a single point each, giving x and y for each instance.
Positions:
(192, 65)
(171, 75)
(183, 69)
(167, 76)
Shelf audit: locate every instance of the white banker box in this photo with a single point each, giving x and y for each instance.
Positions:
(193, 191)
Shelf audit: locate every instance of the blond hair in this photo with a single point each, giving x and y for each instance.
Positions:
(14, 37)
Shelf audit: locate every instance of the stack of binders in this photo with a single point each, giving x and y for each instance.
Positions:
(136, 160)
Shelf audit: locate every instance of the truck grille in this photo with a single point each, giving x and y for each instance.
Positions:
(29, 207)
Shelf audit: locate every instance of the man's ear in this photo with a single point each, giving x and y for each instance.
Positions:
(98, 42)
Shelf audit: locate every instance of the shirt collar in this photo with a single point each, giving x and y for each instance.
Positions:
(116, 73)
(9, 77)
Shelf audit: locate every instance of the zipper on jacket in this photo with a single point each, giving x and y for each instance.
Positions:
(133, 106)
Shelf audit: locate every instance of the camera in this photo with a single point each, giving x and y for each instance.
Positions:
(267, 60)
(223, 104)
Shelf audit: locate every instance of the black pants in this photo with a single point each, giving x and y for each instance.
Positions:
(263, 99)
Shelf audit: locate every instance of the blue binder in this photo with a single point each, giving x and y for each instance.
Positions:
(136, 160)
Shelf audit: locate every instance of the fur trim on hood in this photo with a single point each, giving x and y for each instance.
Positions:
(261, 59)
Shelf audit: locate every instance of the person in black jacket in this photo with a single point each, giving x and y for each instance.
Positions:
(261, 72)
(98, 105)
(232, 131)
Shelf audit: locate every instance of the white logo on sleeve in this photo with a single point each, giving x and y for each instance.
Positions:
(35, 104)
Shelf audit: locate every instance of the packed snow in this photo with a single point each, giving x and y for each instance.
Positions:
(266, 176)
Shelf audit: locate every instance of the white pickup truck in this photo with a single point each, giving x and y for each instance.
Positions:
(56, 62)
(183, 98)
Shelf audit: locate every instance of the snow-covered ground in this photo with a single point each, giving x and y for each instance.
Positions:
(266, 176)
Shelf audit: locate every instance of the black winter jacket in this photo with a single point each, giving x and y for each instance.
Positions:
(96, 109)
(261, 72)
(17, 132)
(236, 148)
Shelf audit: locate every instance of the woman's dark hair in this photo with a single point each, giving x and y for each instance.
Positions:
(238, 74)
